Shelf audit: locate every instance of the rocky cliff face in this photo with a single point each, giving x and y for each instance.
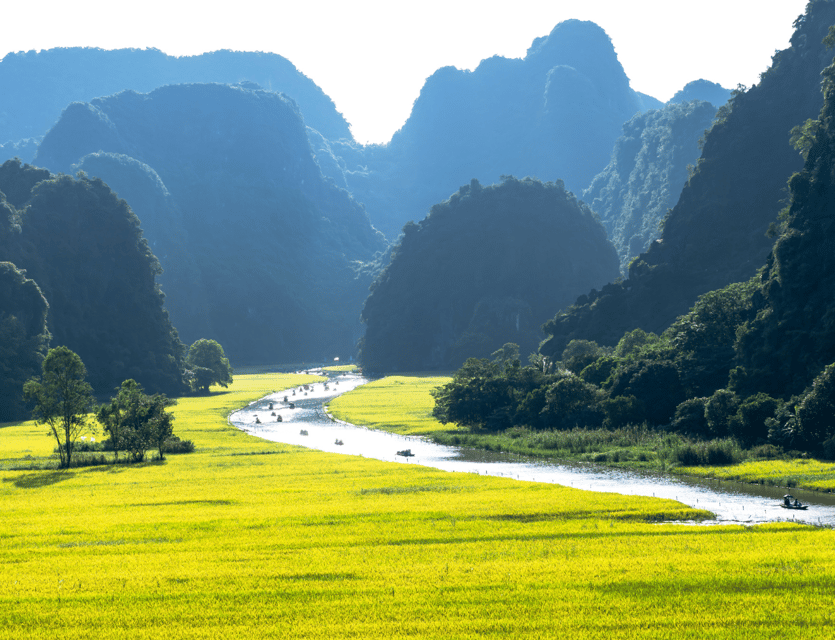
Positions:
(647, 170)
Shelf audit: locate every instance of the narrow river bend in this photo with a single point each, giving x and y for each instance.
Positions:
(732, 503)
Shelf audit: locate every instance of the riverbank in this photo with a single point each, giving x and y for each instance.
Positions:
(403, 405)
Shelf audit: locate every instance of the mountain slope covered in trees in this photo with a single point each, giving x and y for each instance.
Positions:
(24, 337)
(483, 268)
(716, 234)
(83, 248)
(648, 168)
(263, 249)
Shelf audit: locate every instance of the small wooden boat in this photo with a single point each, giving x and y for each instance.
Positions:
(303, 432)
(338, 441)
(406, 453)
(790, 502)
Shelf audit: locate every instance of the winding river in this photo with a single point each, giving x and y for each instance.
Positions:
(307, 424)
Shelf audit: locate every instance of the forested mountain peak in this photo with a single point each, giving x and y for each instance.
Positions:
(224, 176)
(504, 253)
(84, 248)
(702, 89)
(716, 233)
(553, 114)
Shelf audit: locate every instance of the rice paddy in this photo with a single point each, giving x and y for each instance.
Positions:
(247, 538)
(800, 472)
(399, 404)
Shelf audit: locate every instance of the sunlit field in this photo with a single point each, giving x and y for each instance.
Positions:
(399, 404)
(800, 472)
(340, 367)
(250, 539)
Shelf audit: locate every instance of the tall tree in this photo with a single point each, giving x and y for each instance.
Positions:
(208, 365)
(63, 399)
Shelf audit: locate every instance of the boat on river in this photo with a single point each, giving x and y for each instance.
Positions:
(406, 453)
(790, 502)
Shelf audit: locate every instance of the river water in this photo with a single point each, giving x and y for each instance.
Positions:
(731, 503)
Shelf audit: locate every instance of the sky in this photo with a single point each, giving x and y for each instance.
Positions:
(372, 57)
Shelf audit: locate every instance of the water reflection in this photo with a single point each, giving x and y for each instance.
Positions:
(730, 502)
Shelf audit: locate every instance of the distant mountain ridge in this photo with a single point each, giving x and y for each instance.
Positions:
(35, 87)
(554, 114)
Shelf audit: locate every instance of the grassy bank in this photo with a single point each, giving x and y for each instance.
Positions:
(247, 538)
(403, 404)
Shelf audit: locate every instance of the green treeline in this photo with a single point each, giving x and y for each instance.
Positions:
(754, 360)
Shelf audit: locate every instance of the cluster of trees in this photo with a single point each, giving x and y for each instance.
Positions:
(486, 264)
(63, 400)
(133, 420)
(754, 360)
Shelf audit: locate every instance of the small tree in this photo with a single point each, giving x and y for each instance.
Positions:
(208, 365)
(63, 399)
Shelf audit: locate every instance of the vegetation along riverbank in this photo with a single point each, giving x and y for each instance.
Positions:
(249, 537)
(404, 405)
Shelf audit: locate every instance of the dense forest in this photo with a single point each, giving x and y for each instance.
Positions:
(89, 284)
(488, 264)
(716, 233)
(260, 251)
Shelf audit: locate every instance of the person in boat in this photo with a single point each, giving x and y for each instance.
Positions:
(797, 503)
(787, 500)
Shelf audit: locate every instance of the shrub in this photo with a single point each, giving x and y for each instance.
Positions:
(175, 445)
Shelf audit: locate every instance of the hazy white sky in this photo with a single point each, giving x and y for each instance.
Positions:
(372, 57)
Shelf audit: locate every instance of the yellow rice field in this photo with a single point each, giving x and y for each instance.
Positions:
(251, 539)
(801, 472)
(399, 404)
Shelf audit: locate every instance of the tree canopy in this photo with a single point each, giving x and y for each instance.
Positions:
(63, 398)
(208, 365)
